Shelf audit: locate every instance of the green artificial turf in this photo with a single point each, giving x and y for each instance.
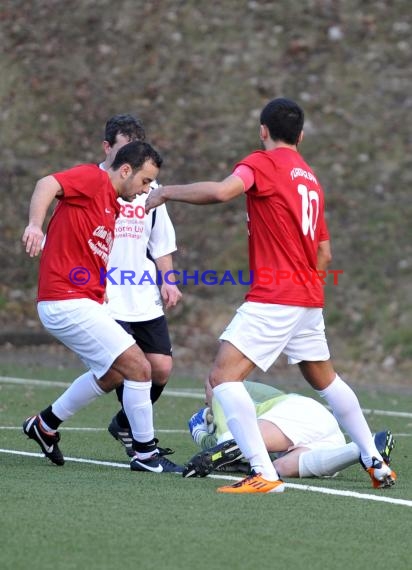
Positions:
(86, 516)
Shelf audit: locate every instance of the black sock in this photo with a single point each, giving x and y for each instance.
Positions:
(155, 392)
(119, 392)
(145, 447)
(122, 419)
(121, 414)
(50, 419)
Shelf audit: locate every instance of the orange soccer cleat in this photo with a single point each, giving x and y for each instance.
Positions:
(381, 474)
(254, 484)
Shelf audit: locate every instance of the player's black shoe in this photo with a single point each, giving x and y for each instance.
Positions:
(47, 440)
(162, 451)
(155, 464)
(169, 466)
(206, 461)
(124, 435)
(385, 443)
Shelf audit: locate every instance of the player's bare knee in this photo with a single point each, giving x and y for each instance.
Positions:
(133, 365)
(162, 365)
(139, 370)
(160, 378)
(110, 380)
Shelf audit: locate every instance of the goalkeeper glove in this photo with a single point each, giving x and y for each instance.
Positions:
(199, 426)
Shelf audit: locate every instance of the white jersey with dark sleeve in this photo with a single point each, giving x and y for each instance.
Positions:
(140, 238)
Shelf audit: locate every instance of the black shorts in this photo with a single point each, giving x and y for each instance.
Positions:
(151, 336)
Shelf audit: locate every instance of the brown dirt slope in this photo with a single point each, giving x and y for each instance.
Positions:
(198, 73)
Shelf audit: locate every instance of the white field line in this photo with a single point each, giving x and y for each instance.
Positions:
(310, 488)
(393, 414)
(95, 429)
(178, 393)
(72, 459)
(326, 491)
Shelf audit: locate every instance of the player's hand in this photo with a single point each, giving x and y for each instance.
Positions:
(171, 294)
(201, 424)
(33, 239)
(154, 199)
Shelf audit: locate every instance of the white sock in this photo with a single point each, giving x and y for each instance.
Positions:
(327, 462)
(347, 411)
(79, 394)
(139, 409)
(241, 419)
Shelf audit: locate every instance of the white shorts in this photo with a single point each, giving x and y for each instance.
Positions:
(85, 327)
(262, 331)
(305, 422)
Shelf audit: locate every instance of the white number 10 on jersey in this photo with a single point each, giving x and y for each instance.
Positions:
(310, 210)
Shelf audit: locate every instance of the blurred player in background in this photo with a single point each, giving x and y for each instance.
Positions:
(289, 251)
(143, 246)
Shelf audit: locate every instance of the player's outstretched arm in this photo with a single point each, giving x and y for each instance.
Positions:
(197, 193)
(46, 190)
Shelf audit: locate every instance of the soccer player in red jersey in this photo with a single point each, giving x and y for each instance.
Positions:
(288, 246)
(72, 288)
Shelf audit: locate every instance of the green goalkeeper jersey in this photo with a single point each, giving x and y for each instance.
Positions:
(264, 397)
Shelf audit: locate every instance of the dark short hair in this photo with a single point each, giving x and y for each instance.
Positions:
(136, 153)
(126, 125)
(284, 120)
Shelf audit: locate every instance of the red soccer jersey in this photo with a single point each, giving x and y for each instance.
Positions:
(79, 236)
(286, 222)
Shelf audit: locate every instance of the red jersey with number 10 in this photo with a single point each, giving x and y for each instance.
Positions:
(79, 236)
(286, 222)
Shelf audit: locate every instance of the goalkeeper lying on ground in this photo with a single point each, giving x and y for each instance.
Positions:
(303, 436)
